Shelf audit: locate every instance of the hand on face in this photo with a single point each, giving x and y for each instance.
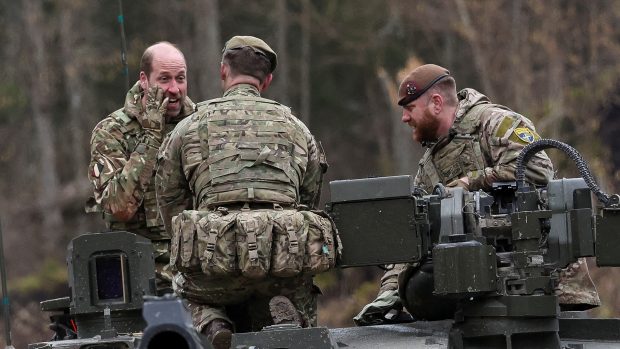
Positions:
(156, 109)
(175, 98)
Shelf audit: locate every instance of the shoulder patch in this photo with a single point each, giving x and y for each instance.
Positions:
(526, 135)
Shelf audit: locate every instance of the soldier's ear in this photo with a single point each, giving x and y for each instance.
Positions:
(266, 82)
(144, 80)
(436, 102)
(223, 71)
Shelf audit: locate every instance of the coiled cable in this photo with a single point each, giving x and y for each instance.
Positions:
(531, 149)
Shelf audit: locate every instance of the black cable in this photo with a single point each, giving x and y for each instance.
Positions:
(582, 166)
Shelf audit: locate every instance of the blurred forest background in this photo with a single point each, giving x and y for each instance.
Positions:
(340, 62)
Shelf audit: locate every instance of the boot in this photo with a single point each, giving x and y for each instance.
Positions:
(283, 311)
(219, 333)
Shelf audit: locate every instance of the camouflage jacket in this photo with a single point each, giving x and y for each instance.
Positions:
(483, 145)
(185, 168)
(122, 165)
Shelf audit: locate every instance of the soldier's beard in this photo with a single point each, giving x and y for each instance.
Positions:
(426, 129)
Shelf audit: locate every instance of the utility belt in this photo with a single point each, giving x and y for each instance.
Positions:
(245, 206)
(253, 242)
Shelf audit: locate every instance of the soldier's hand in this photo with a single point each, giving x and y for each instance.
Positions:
(155, 115)
(462, 182)
(386, 308)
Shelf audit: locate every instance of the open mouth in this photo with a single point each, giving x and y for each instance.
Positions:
(173, 103)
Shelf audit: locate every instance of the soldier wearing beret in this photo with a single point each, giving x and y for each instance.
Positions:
(236, 177)
(123, 151)
(470, 143)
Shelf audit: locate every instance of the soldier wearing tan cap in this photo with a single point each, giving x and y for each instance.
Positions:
(234, 186)
(471, 143)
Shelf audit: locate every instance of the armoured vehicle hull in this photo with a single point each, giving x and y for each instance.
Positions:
(495, 253)
(574, 334)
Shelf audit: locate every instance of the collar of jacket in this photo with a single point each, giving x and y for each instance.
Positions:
(243, 90)
(468, 98)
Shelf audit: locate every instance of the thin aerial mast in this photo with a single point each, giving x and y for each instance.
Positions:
(121, 22)
(5, 297)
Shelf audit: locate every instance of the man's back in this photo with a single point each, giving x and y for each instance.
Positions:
(255, 149)
(235, 184)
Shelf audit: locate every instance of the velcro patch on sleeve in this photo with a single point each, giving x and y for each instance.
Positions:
(504, 126)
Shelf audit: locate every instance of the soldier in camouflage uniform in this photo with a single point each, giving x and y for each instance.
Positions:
(470, 143)
(124, 151)
(239, 156)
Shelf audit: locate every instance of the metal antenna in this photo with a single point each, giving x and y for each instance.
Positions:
(121, 22)
(5, 297)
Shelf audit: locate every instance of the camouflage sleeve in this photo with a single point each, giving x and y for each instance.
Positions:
(310, 190)
(171, 185)
(418, 184)
(503, 136)
(120, 176)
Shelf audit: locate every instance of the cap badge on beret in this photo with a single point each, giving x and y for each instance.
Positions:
(411, 88)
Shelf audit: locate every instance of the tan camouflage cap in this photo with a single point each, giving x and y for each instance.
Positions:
(419, 81)
(257, 44)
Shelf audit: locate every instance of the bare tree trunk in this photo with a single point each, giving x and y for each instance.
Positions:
(41, 98)
(474, 40)
(556, 72)
(405, 153)
(379, 125)
(515, 57)
(207, 56)
(594, 38)
(304, 63)
(77, 94)
(448, 56)
(281, 81)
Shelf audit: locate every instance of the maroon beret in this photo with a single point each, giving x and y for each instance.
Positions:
(419, 81)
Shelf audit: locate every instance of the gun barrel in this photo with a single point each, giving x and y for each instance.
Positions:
(173, 330)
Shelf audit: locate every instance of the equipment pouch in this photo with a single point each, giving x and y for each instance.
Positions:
(253, 235)
(183, 247)
(290, 234)
(320, 247)
(216, 244)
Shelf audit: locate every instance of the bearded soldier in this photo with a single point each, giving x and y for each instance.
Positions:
(124, 151)
(235, 186)
(470, 143)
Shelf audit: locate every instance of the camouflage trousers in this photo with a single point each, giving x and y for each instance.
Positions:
(163, 273)
(576, 289)
(244, 302)
(389, 281)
